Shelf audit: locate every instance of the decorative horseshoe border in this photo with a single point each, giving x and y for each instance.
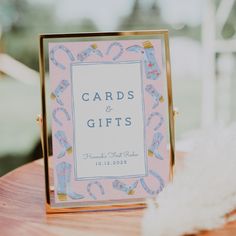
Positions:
(118, 55)
(53, 58)
(154, 114)
(160, 180)
(92, 195)
(55, 117)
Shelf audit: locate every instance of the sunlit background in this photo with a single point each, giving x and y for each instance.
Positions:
(202, 44)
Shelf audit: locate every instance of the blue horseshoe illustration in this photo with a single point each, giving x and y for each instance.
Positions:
(146, 187)
(153, 114)
(98, 184)
(53, 58)
(120, 52)
(55, 117)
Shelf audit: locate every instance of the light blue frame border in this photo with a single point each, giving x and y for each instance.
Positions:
(144, 121)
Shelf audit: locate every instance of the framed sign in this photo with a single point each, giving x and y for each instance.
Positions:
(107, 103)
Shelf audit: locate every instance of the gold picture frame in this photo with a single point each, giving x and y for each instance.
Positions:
(49, 188)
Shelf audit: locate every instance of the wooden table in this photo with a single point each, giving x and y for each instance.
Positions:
(22, 212)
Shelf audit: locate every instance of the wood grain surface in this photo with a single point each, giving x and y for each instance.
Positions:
(22, 212)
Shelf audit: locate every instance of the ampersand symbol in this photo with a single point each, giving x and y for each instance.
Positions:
(108, 109)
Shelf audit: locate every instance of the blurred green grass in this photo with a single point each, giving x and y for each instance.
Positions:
(187, 98)
(20, 104)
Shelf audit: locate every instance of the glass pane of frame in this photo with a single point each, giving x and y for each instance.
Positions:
(108, 129)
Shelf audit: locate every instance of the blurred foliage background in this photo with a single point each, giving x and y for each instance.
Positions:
(22, 20)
